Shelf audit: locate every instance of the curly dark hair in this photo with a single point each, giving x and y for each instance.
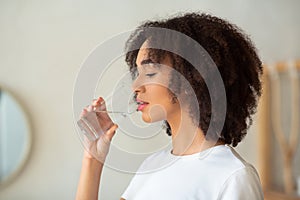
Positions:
(234, 55)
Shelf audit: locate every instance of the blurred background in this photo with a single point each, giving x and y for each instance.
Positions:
(42, 46)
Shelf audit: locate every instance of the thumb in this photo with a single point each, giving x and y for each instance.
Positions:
(111, 132)
(103, 143)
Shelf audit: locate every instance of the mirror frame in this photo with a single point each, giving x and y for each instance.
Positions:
(28, 147)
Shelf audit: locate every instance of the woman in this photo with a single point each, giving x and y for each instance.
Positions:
(169, 87)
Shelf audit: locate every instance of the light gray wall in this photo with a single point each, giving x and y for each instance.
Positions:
(43, 44)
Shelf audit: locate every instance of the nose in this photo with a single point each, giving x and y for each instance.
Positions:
(138, 86)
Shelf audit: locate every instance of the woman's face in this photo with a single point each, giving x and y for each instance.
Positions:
(151, 86)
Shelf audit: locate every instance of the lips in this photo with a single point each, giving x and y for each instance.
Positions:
(141, 104)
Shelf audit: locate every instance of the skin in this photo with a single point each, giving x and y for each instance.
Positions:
(91, 169)
(186, 137)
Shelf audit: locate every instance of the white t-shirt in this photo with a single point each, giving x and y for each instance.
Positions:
(218, 173)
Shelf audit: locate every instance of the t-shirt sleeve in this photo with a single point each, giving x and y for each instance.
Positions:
(244, 184)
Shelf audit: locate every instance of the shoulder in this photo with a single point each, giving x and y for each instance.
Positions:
(230, 160)
(234, 166)
(241, 179)
(242, 184)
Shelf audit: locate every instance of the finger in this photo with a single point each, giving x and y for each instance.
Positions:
(94, 102)
(83, 113)
(99, 104)
(89, 108)
(98, 101)
(111, 132)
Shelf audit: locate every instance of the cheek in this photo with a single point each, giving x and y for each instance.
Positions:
(158, 93)
(159, 107)
(161, 99)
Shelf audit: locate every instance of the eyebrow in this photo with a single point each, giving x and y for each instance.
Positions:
(147, 61)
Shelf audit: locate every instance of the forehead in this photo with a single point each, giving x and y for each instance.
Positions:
(143, 56)
(143, 53)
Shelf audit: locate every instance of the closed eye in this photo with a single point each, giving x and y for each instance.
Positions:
(150, 74)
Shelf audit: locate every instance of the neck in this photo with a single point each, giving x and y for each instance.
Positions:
(186, 137)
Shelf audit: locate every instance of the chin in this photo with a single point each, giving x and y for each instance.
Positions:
(153, 116)
(146, 118)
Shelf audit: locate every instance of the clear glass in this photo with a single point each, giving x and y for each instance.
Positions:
(119, 106)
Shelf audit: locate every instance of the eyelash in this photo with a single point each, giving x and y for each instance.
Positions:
(150, 75)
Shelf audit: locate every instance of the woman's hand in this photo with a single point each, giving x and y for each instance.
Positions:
(99, 148)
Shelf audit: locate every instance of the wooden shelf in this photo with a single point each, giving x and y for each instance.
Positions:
(273, 195)
(282, 66)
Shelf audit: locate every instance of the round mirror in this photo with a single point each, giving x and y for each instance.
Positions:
(15, 137)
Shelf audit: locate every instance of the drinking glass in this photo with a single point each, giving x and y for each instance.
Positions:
(119, 105)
